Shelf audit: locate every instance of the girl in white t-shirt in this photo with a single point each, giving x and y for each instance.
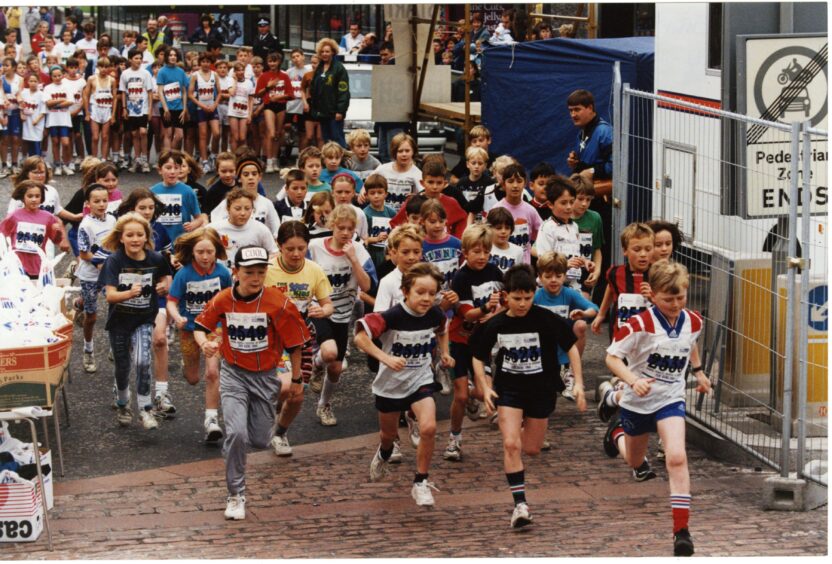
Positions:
(58, 120)
(402, 174)
(226, 85)
(33, 114)
(239, 106)
(238, 229)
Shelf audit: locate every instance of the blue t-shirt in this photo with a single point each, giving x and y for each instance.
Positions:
(168, 77)
(180, 207)
(326, 176)
(444, 254)
(378, 222)
(569, 299)
(192, 291)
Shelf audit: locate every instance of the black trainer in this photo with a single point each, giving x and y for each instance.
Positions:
(605, 412)
(610, 448)
(682, 543)
(643, 472)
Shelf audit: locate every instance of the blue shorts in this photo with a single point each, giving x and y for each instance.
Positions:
(59, 131)
(89, 293)
(462, 355)
(395, 405)
(203, 116)
(15, 125)
(635, 424)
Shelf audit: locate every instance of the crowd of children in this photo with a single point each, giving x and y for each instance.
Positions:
(481, 288)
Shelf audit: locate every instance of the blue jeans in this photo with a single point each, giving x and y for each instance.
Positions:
(333, 130)
(385, 133)
(133, 349)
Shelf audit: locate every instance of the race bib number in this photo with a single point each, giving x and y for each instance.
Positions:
(521, 235)
(522, 354)
(415, 347)
(172, 209)
(135, 90)
(339, 278)
(104, 100)
(586, 245)
(668, 363)
(570, 249)
(503, 262)
(239, 105)
(205, 94)
(29, 237)
(630, 305)
(199, 293)
(561, 310)
(296, 88)
(172, 91)
(126, 280)
(247, 332)
(482, 293)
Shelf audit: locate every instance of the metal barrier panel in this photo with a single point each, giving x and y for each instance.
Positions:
(699, 168)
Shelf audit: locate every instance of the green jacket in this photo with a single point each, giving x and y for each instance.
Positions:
(330, 93)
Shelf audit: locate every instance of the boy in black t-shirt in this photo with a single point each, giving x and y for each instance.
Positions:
(527, 376)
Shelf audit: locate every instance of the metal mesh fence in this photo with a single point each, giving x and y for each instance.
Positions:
(729, 183)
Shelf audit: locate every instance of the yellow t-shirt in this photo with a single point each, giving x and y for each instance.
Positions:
(301, 287)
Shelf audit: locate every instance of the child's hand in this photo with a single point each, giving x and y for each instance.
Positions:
(362, 196)
(589, 265)
(315, 311)
(180, 323)
(494, 301)
(188, 226)
(704, 383)
(449, 298)
(576, 314)
(575, 262)
(162, 288)
(592, 279)
(572, 159)
(210, 348)
(64, 245)
(349, 251)
(393, 362)
(488, 397)
(596, 325)
(383, 236)
(135, 290)
(642, 386)
(580, 397)
(646, 291)
(447, 361)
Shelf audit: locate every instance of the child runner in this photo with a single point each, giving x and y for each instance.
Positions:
(133, 275)
(314, 136)
(91, 233)
(293, 205)
(274, 87)
(240, 106)
(478, 284)
(294, 107)
(307, 286)
(402, 175)
(190, 173)
(249, 173)
(479, 136)
(378, 216)
(76, 83)
(226, 84)
(527, 222)
(181, 211)
(492, 193)
(172, 87)
(341, 184)
(526, 379)
(34, 168)
(204, 91)
(440, 249)
(135, 86)
(237, 230)
(473, 184)
(195, 284)
(591, 231)
(310, 161)
(666, 239)
(225, 182)
(433, 182)
(59, 122)
(12, 84)
(98, 106)
(408, 333)
(349, 268)
(320, 206)
(504, 253)
(651, 354)
(258, 324)
(30, 227)
(33, 112)
(538, 177)
(333, 155)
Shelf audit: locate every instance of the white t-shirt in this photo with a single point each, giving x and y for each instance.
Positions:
(91, 233)
(76, 89)
(338, 270)
(295, 106)
(137, 84)
(233, 237)
(57, 117)
(31, 107)
(225, 87)
(561, 238)
(89, 47)
(63, 51)
(506, 258)
(400, 185)
(263, 212)
(16, 83)
(389, 291)
(239, 104)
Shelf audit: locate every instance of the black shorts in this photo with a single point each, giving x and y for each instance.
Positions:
(462, 355)
(339, 332)
(175, 116)
(77, 123)
(537, 404)
(308, 117)
(275, 107)
(395, 405)
(135, 123)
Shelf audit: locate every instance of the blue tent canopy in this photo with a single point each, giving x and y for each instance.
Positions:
(525, 87)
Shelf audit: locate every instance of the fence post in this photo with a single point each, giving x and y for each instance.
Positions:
(803, 337)
(786, 431)
(619, 201)
(618, 158)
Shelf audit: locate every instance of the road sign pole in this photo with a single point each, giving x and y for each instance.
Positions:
(803, 339)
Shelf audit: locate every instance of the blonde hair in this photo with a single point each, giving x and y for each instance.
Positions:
(668, 276)
(112, 241)
(500, 163)
(88, 170)
(477, 234)
(358, 136)
(402, 232)
(479, 131)
(327, 41)
(635, 231)
(332, 149)
(341, 212)
(552, 262)
(184, 246)
(474, 152)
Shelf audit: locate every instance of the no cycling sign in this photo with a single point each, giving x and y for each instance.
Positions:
(786, 80)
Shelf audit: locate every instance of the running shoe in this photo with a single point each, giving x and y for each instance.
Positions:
(472, 407)
(270, 166)
(379, 468)
(213, 432)
(124, 415)
(682, 543)
(4, 172)
(15, 170)
(454, 449)
(326, 416)
(421, 492)
(148, 420)
(643, 472)
(69, 169)
(547, 446)
(605, 411)
(125, 163)
(569, 381)
(396, 457)
(610, 448)
(412, 429)
(235, 508)
(58, 170)
(495, 421)
(89, 362)
(134, 166)
(521, 516)
(281, 446)
(163, 405)
(145, 166)
(316, 380)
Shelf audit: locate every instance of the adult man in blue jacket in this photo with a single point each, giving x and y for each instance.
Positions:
(594, 149)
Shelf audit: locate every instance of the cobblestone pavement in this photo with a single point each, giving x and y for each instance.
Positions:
(320, 504)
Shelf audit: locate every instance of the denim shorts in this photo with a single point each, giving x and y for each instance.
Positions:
(635, 424)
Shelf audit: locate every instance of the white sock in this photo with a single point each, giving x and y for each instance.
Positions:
(326, 392)
(144, 402)
(612, 399)
(88, 346)
(211, 413)
(161, 389)
(317, 360)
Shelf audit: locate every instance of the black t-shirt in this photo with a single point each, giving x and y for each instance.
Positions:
(214, 196)
(121, 271)
(527, 359)
(200, 192)
(461, 168)
(471, 190)
(76, 205)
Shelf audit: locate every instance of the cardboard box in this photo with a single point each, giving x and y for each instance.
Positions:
(30, 376)
(21, 512)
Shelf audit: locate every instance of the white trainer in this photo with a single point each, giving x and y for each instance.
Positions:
(454, 449)
(149, 422)
(124, 415)
(89, 362)
(379, 468)
(324, 413)
(421, 492)
(235, 508)
(213, 431)
(281, 445)
(521, 516)
(413, 429)
(396, 457)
